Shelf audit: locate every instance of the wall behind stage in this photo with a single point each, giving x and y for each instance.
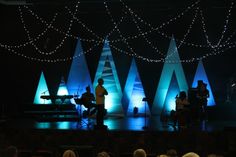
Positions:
(19, 76)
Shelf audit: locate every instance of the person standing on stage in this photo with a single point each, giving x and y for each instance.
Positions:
(202, 96)
(100, 101)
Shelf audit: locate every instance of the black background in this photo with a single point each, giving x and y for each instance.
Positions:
(20, 76)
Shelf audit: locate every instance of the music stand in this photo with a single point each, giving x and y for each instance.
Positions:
(145, 114)
(82, 122)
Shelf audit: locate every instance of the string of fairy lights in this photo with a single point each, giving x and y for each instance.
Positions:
(41, 20)
(224, 29)
(154, 47)
(83, 24)
(215, 52)
(157, 28)
(221, 45)
(59, 45)
(230, 37)
(175, 18)
(31, 41)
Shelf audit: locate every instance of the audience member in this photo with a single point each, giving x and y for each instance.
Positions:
(103, 154)
(212, 155)
(191, 154)
(162, 155)
(171, 153)
(69, 153)
(139, 153)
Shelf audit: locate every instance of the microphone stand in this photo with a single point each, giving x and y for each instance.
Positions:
(43, 93)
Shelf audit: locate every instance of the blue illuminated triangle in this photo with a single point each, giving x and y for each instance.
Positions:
(201, 75)
(79, 76)
(107, 70)
(134, 92)
(173, 91)
(42, 89)
(62, 90)
(168, 70)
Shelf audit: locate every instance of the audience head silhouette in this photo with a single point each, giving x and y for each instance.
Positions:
(212, 155)
(103, 154)
(139, 153)
(171, 153)
(191, 154)
(69, 153)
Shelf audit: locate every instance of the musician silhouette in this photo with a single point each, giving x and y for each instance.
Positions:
(87, 99)
(202, 96)
(182, 113)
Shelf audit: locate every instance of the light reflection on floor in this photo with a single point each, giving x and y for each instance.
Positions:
(128, 123)
(112, 123)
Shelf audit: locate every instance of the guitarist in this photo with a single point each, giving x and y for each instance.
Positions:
(87, 99)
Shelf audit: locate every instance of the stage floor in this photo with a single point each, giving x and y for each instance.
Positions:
(124, 135)
(116, 124)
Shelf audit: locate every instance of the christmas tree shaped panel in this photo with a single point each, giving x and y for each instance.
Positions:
(172, 64)
(107, 70)
(134, 92)
(201, 75)
(42, 89)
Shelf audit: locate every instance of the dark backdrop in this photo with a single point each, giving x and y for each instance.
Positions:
(20, 76)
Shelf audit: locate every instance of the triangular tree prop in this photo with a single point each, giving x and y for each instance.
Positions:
(172, 92)
(201, 75)
(79, 77)
(172, 64)
(134, 93)
(106, 69)
(42, 89)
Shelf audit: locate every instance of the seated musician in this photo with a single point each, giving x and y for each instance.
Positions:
(181, 109)
(88, 99)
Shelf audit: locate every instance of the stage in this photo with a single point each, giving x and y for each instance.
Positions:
(66, 117)
(124, 135)
(54, 130)
(117, 123)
